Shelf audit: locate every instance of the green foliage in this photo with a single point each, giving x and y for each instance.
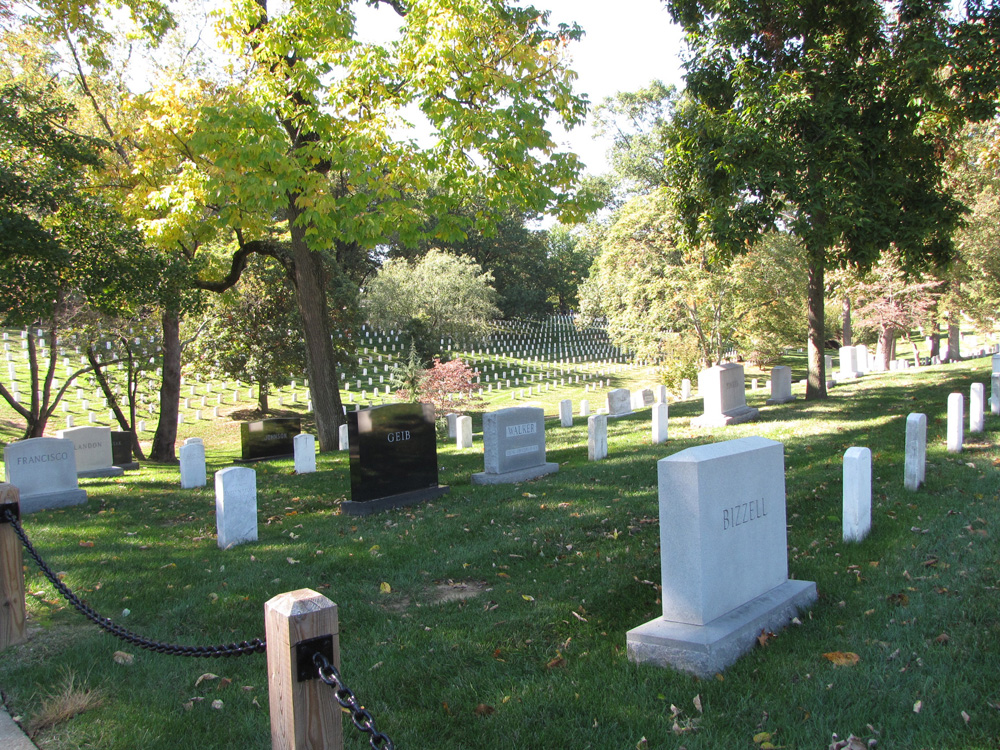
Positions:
(252, 332)
(406, 374)
(439, 295)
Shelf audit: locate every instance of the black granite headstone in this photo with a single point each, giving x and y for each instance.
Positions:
(269, 438)
(393, 453)
(121, 451)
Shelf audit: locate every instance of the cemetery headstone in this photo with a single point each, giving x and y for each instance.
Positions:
(781, 386)
(848, 363)
(343, 438)
(304, 446)
(723, 557)
(393, 456)
(44, 471)
(269, 438)
(121, 451)
(619, 402)
(857, 520)
(995, 393)
(597, 437)
(235, 506)
(585, 408)
(566, 413)
(861, 358)
(452, 420)
(977, 398)
(660, 423)
(463, 432)
(514, 446)
(685, 389)
(956, 419)
(915, 462)
(92, 446)
(193, 472)
(723, 389)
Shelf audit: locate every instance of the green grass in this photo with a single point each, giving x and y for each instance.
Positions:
(583, 546)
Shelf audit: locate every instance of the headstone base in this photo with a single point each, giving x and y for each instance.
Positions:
(705, 650)
(776, 401)
(366, 508)
(510, 477)
(262, 458)
(108, 471)
(623, 414)
(50, 500)
(735, 416)
(131, 466)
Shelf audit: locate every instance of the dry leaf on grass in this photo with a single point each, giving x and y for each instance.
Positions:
(121, 657)
(843, 658)
(206, 676)
(483, 710)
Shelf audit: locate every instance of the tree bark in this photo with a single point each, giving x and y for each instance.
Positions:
(310, 287)
(886, 339)
(816, 383)
(170, 390)
(262, 398)
(847, 321)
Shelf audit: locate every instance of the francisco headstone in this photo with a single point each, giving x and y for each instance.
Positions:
(857, 520)
(514, 446)
(92, 446)
(236, 506)
(723, 557)
(723, 389)
(44, 471)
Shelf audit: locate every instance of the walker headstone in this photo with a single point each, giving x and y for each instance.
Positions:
(44, 471)
(514, 446)
(269, 438)
(393, 452)
(723, 557)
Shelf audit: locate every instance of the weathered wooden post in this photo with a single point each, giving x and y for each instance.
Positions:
(12, 613)
(305, 714)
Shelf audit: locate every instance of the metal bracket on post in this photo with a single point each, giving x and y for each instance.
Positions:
(14, 508)
(304, 652)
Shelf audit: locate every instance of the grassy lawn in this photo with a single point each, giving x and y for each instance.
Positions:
(505, 624)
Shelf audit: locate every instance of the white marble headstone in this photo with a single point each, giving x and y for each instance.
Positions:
(857, 520)
(44, 471)
(193, 472)
(304, 447)
(92, 446)
(236, 506)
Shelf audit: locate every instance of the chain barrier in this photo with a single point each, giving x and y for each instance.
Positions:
(360, 716)
(328, 673)
(256, 646)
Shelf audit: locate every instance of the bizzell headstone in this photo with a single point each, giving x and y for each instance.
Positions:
(269, 438)
(724, 558)
(514, 446)
(44, 470)
(393, 451)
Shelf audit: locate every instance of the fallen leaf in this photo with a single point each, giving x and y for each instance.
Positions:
(483, 710)
(291, 561)
(555, 663)
(217, 705)
(843, 658)
(942, 639)
(188, 705)
(697, 703)
(86, 544)
(917, 706)
(385, 588)
(121, 657)
(765, 637)
(899, 599)
(965, 717)
(444, 705)
(578, 616)
(527, 597)
(224, 682)
(204, 677)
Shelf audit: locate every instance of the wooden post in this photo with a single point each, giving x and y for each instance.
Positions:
(304, 715)
(12, 613)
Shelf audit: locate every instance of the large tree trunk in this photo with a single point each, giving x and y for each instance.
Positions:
(310, 293)
(886, 340)
(816, 383)
(170, 391)
(262, 398)
(847, 321)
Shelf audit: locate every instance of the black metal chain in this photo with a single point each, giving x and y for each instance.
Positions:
(360, 716)
(256, 646)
